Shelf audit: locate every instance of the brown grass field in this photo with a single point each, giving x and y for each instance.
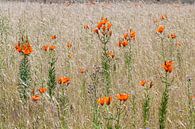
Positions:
(40, 21)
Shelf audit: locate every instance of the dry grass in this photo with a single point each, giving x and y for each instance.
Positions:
(40, 21)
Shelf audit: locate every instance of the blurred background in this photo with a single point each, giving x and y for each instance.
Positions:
(84, 1)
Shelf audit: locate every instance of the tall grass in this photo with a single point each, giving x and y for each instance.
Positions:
(71, 105)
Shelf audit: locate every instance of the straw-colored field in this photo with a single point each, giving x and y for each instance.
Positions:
(40, 21)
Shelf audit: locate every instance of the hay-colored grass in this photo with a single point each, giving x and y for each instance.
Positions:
(41, 21)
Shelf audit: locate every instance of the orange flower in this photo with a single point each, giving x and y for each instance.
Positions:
(64, 80)
(45, 47)
(104, 28)
(69, 45)
(86, 27)
(111, 54)
(99, 25)
(53, 37)
(24, 48)
(100, 101)
(120, 44)
(122, 97)
(42, 90)
(168, 66)
(125, 35)
(109, 25)
(125, 43)
(104, 100)
(107, 100)
(27, 49)
(142, 82)
(36, 97)
(96, 31)
(103, 25)
(160, 29)
(18, 48)
(52, 47)
(163, 17)
(172, 36)
(132, 34)
(104, 20)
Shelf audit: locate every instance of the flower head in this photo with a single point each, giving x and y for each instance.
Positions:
(163, 17)
(172, 36)
(160, 29)
(24, 48)
(45, 47)
(36, 97)
(100, 101)
(122, 97)
(142, 82)
(52, 47)
(27, 49)
(69, 45)
(107, 100)
(168, 66)
(123, 43)
(132, 34)
(53, 37)
(111, 54)
(104, 100)
(125, 36)
(18, 48)
(104, 27)
(48, 47)
(42, 90)
(64, 80)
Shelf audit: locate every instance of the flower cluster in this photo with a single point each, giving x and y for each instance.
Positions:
(48, 47)
(107, 100)
(104, 100)
(24, 47)
(36, 96)
(126, 38)
(103, 27)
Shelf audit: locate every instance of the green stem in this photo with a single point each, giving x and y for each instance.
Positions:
(106, 67)
(164, 104)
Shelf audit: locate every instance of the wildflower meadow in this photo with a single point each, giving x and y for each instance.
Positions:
(107, 65)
